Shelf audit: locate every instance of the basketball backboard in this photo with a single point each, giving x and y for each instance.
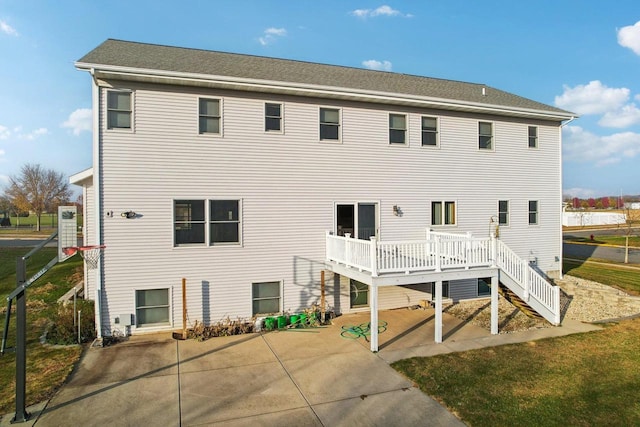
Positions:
(67, 230)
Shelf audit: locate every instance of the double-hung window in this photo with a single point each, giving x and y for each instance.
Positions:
(265, 297)
(533, 212)
(189, 222)
(329, 124)
(429, 132)
(443, 213)
(503, 212)
(533, 137)
(225, 221)
(397, 129)
(485, 135)
(209, 116)
(272, 117)
(119, 109)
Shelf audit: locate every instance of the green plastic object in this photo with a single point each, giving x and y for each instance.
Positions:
(303, 319)
(282, 322)
(269, 323)
(294, 320)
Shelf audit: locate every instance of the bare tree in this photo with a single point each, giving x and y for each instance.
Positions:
(38, 190)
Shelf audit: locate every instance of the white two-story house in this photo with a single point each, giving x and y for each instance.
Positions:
(248, 176)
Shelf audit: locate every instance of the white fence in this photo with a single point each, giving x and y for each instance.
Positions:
(582, 219)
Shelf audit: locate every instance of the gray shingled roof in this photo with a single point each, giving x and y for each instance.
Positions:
(184, 60)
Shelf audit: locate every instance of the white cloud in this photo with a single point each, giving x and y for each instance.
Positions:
(383, 10)
(34, 134)
(271, 34)
(80, 120)
(583, 146)
(372, 64)
(4, 132)
(593, 98)
(629, 36)
(626, 116)
(8, 29)
(4, 180)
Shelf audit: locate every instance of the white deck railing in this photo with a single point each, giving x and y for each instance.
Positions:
(442, 252)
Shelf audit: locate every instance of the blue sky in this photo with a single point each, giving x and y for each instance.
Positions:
(583, 56)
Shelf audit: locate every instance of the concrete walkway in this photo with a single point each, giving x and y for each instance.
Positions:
(310, 377)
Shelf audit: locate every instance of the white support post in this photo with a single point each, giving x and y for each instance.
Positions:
(494, 305)
(556, 304)
(373, 302)
(373, 254)
(326, 245)
(467, 251)
(428, 233)
(438, 260)
(494, 250)
(347, 250)
(525, 273)
(438, 331)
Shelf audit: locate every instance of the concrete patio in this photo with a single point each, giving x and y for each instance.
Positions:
(308, 377)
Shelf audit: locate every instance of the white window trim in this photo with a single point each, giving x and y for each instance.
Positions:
(356, 225)
(493, 136)
(156, 326)
(406, 130)
(537, 137)
(106, 110)
(443, 201)
(431, 147)
(508, 212)
(210, 134)
(330, 141)
(209, 222)
(173, 223)
(281, 281)
(264, 111)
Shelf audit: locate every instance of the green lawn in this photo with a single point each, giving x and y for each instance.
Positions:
(27, 225)
(612, 274)
(587, 379)
(47, 366)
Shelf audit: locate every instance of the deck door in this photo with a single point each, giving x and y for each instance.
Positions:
(358, 219)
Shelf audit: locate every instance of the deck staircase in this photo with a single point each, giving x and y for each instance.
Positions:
(515, 300)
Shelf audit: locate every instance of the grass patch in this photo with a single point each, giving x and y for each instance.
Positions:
(47, 366)
(613, 275)
(581, 380)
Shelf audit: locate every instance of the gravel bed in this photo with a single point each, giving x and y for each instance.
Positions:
(582, 306)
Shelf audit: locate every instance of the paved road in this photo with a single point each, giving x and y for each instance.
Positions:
(24, 243)
(571, 250)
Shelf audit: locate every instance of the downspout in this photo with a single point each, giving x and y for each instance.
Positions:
(560, 276)
(97, 198)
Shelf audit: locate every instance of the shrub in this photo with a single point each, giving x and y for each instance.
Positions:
(223, 328)
(62, 329)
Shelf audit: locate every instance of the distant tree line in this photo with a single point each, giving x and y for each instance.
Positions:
(606, 202)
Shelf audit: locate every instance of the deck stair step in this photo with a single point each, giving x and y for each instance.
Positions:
(517, 302)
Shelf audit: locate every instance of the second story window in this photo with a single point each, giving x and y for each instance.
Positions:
(118, 109)
(329, 124)
(503, 212)
(272, 117)
(397, 129)
(533, 212)
(209, 116)
(485, 135)
(533, 137)
(429, 132)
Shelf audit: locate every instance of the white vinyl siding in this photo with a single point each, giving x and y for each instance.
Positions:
(288, 187)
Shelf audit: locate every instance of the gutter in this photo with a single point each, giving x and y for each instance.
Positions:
(168, 77)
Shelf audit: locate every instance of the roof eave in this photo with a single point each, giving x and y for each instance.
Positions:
(78, 178)
(301, 89)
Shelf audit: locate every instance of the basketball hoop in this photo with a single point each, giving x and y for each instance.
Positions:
(91, 254)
